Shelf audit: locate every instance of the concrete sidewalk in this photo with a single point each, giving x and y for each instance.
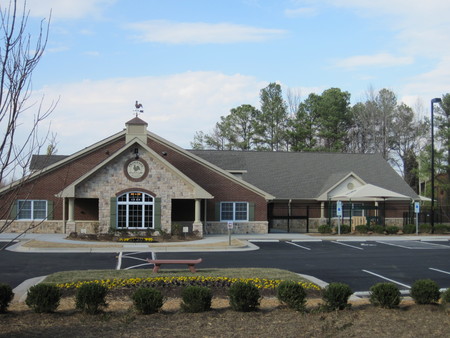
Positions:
(58, 243)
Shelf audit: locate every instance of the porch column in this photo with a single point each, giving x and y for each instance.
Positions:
(70, 225)
(71, 209)
(198, 226)
(322, 209)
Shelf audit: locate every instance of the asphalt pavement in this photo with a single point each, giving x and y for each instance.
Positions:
(57, 243)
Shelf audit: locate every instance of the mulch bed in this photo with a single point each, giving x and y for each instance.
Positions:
(272, 320)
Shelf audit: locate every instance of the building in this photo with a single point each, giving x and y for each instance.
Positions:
(136, 181)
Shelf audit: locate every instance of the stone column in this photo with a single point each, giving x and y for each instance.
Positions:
(70, 225)
(198, 225)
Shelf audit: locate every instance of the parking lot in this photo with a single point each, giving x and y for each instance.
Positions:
(360, 264)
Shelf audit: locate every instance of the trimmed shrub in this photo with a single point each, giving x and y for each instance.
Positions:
(409, 229)
(425, 228)
(196, 299)
(378, 229)
(336, 296)
(345, 229)
(362, 229)
(147, 300)
(445, 297)
(244, 297)
(425, 291)
(43, 298)
(325, 229)
(6, 296)
(292, 294)
(91, 297)
(385, 295)
(392, 229)
(440, 229)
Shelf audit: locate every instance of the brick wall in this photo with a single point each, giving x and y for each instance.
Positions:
(222, 188)
(47, 185)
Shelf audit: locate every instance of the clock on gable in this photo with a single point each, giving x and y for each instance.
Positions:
(136, 169)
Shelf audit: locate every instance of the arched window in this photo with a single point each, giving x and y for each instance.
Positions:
(135, 211)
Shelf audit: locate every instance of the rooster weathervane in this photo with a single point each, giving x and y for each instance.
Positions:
(139, 108)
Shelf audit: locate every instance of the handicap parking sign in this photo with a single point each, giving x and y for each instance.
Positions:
(339, 208)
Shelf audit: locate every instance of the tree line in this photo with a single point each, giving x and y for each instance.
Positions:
(325, 122)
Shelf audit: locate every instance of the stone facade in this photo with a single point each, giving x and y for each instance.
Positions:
(44, 227)
(110, 180)
(258, 227)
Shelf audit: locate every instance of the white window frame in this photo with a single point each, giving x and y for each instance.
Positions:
(234, 211)
(33, 210)
(127, 203)
(345, 211)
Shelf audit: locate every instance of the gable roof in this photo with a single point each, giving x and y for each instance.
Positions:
(69, 191)
(297, 175)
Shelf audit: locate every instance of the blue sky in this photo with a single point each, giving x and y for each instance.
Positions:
(190, 61)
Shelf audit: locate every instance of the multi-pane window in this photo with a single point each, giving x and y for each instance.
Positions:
(234, 211)
(135, 210)
(31, 209)
(355, 209)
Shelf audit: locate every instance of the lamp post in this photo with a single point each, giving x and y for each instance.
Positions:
(433, 101)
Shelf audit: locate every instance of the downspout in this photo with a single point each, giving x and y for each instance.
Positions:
(329, 211)
(289, 216)
(205, 216)
(64, 216)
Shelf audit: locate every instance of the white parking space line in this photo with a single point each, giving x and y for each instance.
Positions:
(438, 246)
(415, 245)
(385, 278)
(297, 245)
(434, 240)
(129, 255)
(442, 271)
(119, 261)
(396, 244)
(135, 258)
(345, 244)
(136, 266)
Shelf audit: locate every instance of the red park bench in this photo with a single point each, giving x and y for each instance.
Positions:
(190, 263)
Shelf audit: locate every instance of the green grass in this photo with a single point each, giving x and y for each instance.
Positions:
(87, 275)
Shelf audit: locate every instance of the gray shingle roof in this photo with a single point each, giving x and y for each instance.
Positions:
(293, 175)
(39, 162)
(290, 175)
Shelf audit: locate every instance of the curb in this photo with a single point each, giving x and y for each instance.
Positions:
(20, 292)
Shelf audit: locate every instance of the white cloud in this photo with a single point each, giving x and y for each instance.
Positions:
(200, 32)
(378, 60)
(175, 106)
(433, 83)
(421, 31)
(68, 9)
(300, 12)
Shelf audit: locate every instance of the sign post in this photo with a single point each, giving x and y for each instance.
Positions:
(417, 210)
(339, 214)
(230, 227)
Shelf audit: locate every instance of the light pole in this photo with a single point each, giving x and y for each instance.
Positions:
(433, 101)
